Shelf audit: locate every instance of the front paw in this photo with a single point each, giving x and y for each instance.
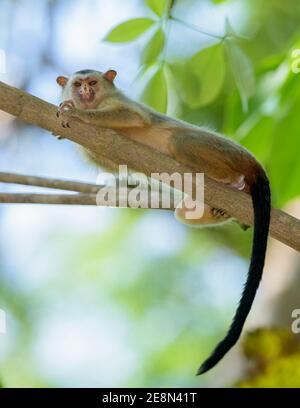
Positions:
(64, 111)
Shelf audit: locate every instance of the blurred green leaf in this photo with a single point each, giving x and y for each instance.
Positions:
(129, 30)
(186, 83)
(158, 6)
(242, 70)
(275, 358)
(229, 29)
(208, 66)
(284, 168)
(233, 113)
(256, 135)
(156, 94)
(270, 63)
(154, 47)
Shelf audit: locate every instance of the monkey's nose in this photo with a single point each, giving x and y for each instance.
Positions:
(84, 89)
(86, 93)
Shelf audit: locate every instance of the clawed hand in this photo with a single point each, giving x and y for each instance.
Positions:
(64, 108)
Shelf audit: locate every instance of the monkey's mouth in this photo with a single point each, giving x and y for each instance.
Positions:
(87, 96)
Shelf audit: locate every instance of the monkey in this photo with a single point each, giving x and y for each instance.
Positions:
(92, 97)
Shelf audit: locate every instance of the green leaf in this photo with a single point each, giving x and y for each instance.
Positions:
(229, 29)
(208, 66)
(156, 94)
(129, 30)
(242, 70)
(233, 113)
(186, 83)
(154, 47)
(256, 135)
(284, 165)
(158, 6)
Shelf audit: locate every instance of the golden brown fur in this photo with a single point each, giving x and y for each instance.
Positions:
(92, 97)
(205, 151)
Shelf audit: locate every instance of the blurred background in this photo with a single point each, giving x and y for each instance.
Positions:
(100, 297)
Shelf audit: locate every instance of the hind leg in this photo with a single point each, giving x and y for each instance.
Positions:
(211, 217)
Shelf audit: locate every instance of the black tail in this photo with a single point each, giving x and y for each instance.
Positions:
(261, 197)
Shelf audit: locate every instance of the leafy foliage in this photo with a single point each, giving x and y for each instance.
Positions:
(155, 94)
(276, 357)
(129, 30)
(242, 70)
(218, 73)
(208, 67)
(154, 47)
(158, 6)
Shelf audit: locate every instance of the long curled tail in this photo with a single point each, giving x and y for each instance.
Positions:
(261, 199)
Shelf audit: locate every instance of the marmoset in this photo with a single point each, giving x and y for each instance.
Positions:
(92, 97)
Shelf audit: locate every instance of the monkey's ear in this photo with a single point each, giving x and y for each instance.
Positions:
(110, 75)
(62, 81)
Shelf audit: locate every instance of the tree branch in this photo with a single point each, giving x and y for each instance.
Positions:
(57, 184)
(65, 199)
(57, 199)
(115, 197)
(114, 150)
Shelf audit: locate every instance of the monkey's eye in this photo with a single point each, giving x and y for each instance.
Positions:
(92, 83)
(77, 84)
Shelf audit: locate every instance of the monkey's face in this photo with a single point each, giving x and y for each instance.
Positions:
(87, 88)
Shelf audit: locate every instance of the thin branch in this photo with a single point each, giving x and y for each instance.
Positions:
(89, 193)
(120, 201)
(50, 199)
(112, 150)
(56, 184)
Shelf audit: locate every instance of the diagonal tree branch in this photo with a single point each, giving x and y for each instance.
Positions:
(114, 150)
